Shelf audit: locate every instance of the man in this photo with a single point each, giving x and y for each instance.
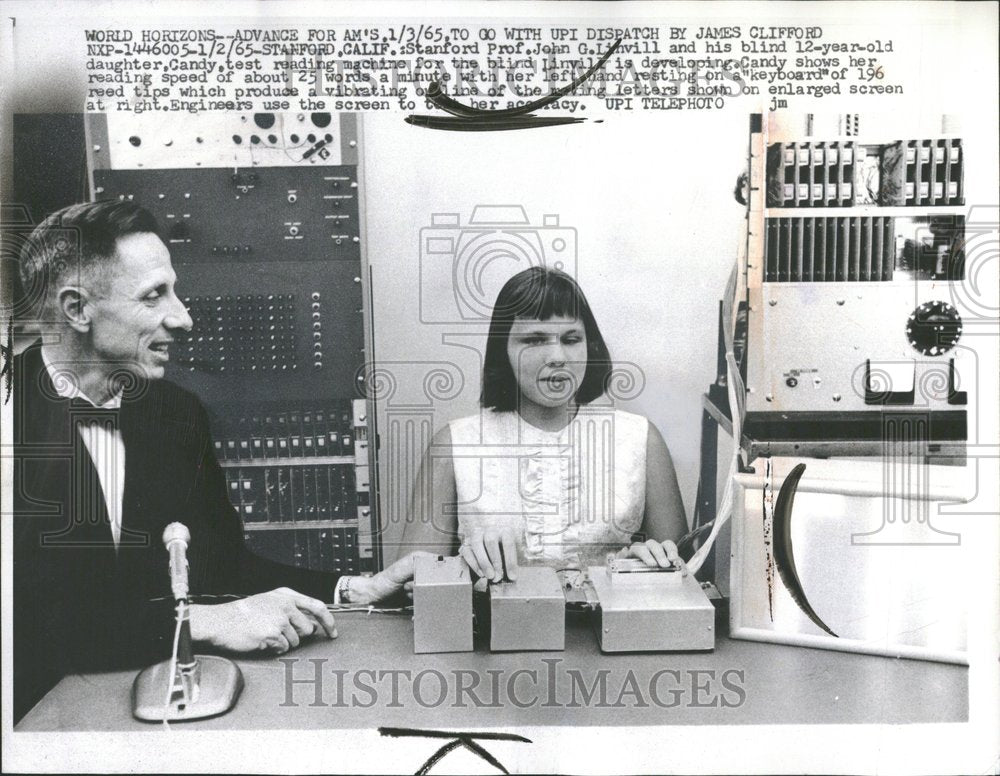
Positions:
(107, 454)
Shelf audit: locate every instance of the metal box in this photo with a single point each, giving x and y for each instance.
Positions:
(528, 614)
(442, 605)
(658, 611)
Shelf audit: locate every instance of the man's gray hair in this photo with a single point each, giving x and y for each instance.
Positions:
(72, 239)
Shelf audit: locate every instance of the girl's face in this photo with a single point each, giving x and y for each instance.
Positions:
(549, 359)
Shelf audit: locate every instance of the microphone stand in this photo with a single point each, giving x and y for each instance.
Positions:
(186, 686)
(188, 675)
(200, 686)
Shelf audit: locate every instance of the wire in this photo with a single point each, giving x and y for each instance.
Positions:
(736, 392)
(173, 665)
(203, 597)
(687, 541)
(338, 608)
(330, 607)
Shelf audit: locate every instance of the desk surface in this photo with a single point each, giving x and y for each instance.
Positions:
(741, 682)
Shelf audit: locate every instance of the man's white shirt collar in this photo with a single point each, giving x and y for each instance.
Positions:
(104, 445)
(68, 388)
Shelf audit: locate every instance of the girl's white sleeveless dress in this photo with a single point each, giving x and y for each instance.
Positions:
(570, 496)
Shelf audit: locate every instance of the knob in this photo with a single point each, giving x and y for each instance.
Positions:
(934, 328)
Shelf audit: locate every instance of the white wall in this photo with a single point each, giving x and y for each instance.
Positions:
(656, 225)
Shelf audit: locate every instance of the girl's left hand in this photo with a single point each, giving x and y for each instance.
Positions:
(654, 553)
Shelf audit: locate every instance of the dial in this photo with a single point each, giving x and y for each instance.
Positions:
(934, 328)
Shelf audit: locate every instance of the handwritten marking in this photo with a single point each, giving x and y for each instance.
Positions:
(459, 739)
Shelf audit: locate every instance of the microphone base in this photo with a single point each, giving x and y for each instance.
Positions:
(219, 684)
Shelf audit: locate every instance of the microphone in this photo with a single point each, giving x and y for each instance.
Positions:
(196, 686)
(175, 538)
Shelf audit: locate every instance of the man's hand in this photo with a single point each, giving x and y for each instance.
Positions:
(274, 622)
(388, 582)
(492, 554)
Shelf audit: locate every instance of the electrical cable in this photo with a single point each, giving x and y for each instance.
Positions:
(173, 664)
(193, 599)
(369, 609)
(685, 542)
(736, 392)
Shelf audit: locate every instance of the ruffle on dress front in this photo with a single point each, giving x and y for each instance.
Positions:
(568, 496)
(550, 488)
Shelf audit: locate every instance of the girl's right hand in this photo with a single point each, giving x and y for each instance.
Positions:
(491, 554)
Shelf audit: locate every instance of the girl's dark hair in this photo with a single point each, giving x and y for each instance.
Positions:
(539, 293)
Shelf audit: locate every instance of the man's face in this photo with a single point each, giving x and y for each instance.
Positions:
(134, 312)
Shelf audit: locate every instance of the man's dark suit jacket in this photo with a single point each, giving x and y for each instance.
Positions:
(80, 604)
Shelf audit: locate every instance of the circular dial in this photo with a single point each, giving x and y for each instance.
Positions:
(934, 328)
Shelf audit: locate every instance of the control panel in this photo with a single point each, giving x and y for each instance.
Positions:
(845, 173)
(855, 244)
